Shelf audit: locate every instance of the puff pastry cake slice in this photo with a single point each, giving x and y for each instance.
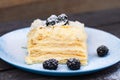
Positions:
(59, 41)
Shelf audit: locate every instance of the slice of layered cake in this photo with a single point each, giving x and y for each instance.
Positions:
(56, 38)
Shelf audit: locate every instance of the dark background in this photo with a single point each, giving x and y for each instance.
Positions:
(14, 10)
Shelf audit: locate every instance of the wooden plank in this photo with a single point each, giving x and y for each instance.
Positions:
(111, 73)
(45, 8)
(86, 4)
(13, 25)
(99, 18)
(17, 74)
(10, 3)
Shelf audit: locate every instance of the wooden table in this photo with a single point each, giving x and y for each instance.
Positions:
(107, 20)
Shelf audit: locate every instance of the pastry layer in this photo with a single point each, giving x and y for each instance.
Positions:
(60, 43)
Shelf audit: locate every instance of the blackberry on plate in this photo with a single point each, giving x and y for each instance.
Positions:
(50, 64)
(102, 51)
(63, 18)
(73, 64)
(52, 20)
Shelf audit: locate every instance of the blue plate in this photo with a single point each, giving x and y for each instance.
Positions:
(12, 52)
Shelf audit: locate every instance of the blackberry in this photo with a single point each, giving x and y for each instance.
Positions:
(73, 64)
(63, 18)
(50, 64)
(102, 51)
(52, 20)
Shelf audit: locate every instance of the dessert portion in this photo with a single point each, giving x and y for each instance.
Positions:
(56, 38)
